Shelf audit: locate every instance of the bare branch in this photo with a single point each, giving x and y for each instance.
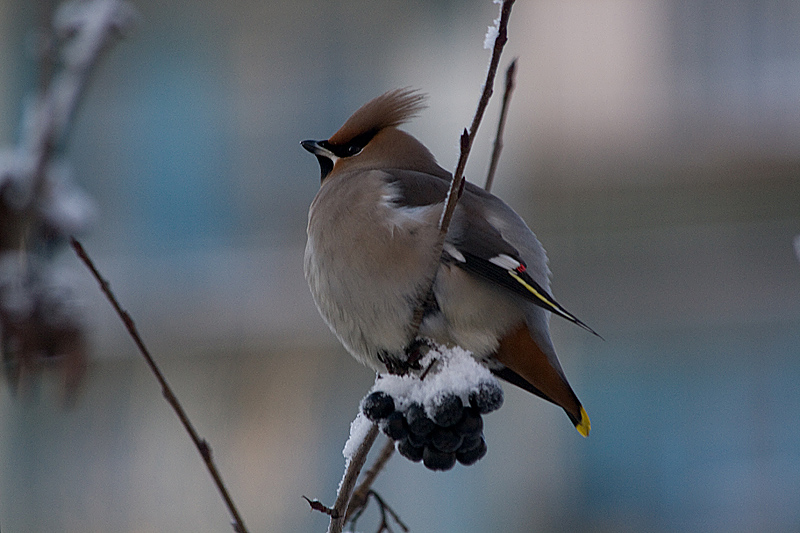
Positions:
(385, 511)
(202, 445)
(501, 124)
(467, 138)
(385, 508)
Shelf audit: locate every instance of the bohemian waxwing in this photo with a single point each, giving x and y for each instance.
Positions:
(371, 254)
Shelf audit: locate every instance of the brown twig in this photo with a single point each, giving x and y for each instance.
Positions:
(317, 505)
(361, 493)
(385, 511)
(385, 508)
(352, 470)
(201, 444)
(468, 137)
(501, 124)
(466, 141)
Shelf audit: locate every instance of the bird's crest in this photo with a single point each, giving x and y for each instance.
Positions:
(387, 110)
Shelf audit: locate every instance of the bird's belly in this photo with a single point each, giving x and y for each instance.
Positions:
(369, 311)
(472, 314)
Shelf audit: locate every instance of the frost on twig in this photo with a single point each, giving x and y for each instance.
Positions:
(492, 31)
(362, 492)
(433, 416)
(40, 205)
(356, 455)
(436, 420)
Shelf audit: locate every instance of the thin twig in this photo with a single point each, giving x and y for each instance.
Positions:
(353, 469)
(359, 498)
(467, 138)
(201, 444)
(501, 124)
(385, 508)
(317, 505)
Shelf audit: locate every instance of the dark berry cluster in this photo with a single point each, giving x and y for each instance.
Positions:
(448, 431)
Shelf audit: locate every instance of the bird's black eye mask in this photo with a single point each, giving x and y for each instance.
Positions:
(351, 148)
(327, 152)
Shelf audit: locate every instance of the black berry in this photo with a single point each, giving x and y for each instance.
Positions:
(471, 442)
(472, 456)
(394, 426)
(487, 397)
(409, 451)
(377, 406)
(447, 410)
(471, 422)
(418, 421)
(418, 440)
(445, 439)
(436, 460)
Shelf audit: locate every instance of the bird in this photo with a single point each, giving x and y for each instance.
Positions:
(371, 258)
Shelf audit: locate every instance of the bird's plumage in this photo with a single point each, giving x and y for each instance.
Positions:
(370, 258)
(388, 110)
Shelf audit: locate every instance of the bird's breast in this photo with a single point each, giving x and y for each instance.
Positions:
(367, 264)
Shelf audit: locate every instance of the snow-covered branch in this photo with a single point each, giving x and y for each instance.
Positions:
(40, 205)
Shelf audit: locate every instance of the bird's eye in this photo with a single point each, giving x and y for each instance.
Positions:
(354, 149)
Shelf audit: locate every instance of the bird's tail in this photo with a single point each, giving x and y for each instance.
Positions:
(530, 368)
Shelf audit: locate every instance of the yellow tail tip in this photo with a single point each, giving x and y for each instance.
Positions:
(585, 425)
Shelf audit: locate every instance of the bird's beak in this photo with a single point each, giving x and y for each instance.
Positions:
(316, 148)
(325, 157)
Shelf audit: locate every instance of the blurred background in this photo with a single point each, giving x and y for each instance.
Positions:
(652, 145)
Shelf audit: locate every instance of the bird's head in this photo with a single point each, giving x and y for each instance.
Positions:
(370, 139)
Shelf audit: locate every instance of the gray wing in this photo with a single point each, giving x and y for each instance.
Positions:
(486, 238)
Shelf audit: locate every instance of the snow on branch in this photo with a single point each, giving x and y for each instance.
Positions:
(40, 205)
